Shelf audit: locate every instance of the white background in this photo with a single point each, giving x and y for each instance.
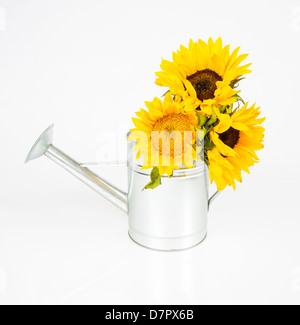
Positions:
(88, 65)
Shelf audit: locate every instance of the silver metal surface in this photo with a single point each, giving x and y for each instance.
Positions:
(213, 197)
(166, 250)
(171, 217)
(174, 215)
(43, 146)
(115, 163)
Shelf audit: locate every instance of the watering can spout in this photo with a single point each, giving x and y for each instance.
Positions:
(44, 147)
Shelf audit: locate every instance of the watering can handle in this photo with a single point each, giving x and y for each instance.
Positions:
(213, 197)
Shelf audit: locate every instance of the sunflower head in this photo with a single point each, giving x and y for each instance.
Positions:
(237, 137)
(205, 83)
(165, 135)
(204, 74)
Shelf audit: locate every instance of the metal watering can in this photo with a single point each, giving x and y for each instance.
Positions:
(171, 217)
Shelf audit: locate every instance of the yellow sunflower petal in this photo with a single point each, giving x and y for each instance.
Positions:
(244, 137)
(195, 72)
(168, 116)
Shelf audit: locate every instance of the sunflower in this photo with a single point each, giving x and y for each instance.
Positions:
(204, 74)
(236, 139)
(156, 140)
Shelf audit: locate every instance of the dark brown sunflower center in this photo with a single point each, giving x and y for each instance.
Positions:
(204, 82)
(230, 137)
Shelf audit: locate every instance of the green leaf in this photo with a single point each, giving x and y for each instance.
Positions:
(196, 128)
(234, 83)
(165, 93)
(208, 144)
(202, 119)
(201, 134)
(223, 109)
(155, 179)
(229, 110)
(206, 158)
(206, 132)
(237, 97)
(213, 119)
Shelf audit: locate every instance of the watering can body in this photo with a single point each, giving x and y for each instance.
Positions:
(174, 215)
(171, 217)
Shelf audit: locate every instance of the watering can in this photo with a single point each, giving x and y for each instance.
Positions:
(171, 217)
